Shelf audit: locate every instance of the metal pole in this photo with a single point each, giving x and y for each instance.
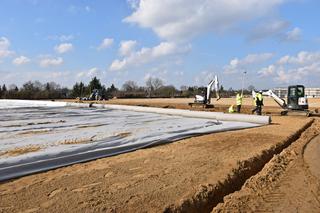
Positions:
(243, 82)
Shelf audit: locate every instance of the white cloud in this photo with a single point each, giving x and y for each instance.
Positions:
(257, 58)
(73, 9)
(204, 77)
(134, 4)
(118, 65)
(294, 35)
(147, 55)
(179, 73)
(21, 60)
(61, 38)
(301, 58)
(93, 72)
(126, 47)
(191, 18)
(239, 64)
(107, 42)
(293, 68)
(283, 77)
(64, 78)
(147, 76)
(63, 48)
(284, 59)
(89, 73)
(296, 74)
(4, 47)
(48, 61)
(267, 71)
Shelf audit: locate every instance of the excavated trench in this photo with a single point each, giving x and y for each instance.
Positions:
(311, 156)
(210, 195)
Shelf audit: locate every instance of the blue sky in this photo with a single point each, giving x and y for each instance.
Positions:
(183, 42)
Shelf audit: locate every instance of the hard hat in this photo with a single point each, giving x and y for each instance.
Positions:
(260, 91)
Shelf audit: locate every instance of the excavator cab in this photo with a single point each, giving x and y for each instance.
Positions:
(296, 98)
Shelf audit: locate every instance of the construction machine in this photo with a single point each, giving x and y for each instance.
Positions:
(297, 102)
(205, 99)
(95, 95)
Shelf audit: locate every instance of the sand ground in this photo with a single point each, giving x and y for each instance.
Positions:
(183, 102)
(265, 165)
(288, 183)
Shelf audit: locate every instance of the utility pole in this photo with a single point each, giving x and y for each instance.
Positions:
(243, 75)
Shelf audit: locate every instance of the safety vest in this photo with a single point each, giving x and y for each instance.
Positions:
(231, 110)
(259, 97)
(239, 99)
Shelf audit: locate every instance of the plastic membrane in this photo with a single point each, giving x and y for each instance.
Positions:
(48, 135)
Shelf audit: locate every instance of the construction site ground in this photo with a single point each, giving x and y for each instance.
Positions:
(264, 169)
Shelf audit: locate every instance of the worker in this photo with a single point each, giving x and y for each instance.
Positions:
(231, 110)
(239, 98)
(258, 103)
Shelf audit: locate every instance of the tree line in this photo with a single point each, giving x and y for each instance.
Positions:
(153, 88)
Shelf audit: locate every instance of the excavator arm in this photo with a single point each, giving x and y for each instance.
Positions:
(276, 98)
(286, 109)
(214, 83)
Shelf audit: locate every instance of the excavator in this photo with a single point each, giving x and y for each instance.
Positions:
(297, 102)
(205, 99)
(95, 95)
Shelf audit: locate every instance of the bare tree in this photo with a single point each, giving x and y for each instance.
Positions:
(130, 86)
(52, 86)
(149, 84)
(154, 83)
(157, 83)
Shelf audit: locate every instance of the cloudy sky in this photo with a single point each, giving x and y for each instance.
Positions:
(183, 42)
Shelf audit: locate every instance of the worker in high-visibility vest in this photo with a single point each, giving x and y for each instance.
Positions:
(258, 103)
(231, 110)
(239, 98)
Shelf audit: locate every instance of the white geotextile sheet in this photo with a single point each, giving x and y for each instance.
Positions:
(65, 130)
(66, 135)
(264, 120)
(13, 103)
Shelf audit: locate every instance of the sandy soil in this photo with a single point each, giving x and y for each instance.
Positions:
(180, 102)
(222, 105)
(20, 151)
(183, 102)
(190, 175)
(288, 183)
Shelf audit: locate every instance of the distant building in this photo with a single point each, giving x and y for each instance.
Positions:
(312, 92)
(282, 92)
